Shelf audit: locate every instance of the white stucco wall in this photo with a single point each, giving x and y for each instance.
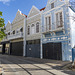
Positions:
(72, 25)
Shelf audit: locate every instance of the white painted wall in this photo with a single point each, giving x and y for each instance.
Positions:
(72, 25)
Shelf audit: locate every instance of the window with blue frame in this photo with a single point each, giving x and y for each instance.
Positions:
(52, 5)
(59, 33)
(48, 35)
(59, 20)
(48, 23)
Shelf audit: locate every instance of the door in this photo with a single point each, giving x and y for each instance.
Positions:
(48, 53)
(7, 48)
(45, 51)
(0, 49)
(57, 51)
(52, 51)
(17, 48)
(33, 50)
(3, 49)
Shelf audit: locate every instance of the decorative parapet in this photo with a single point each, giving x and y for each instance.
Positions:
(53, 39)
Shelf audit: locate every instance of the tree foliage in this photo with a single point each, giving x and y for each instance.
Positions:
(2, 34)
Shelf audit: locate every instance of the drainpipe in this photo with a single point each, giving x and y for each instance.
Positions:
(41, 51)
(24, 37)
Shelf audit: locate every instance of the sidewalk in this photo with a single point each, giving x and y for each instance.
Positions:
(0, 71)
(34, 65)
(54, 63)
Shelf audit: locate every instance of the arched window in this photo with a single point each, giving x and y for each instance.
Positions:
(14, 32)
(37, 27)
(21, 30)
(9, 33)
(33, 29)
(28, 30)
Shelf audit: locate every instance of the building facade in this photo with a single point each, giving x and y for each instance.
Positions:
(33, 34)
(58, 31)
(5, 42)
(14, 41)
(46, 33)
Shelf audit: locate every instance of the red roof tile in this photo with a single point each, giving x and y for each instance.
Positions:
(42, 9)
(24, 15)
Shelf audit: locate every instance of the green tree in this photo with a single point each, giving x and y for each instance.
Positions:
(2, 34)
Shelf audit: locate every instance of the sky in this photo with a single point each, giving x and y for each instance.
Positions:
(10, 7)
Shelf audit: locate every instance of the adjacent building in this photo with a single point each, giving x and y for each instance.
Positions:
(13, 43)
(6, 42)
(33, 32)
(57, 31)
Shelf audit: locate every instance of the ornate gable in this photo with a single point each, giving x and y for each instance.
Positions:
(8, 26)
(57, 3)
(19, 16)
(33, 11)
(50, 1)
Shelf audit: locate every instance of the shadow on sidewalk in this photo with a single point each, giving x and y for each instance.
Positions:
(20, 61)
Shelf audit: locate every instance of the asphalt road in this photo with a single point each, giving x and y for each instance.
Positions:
(14, 65)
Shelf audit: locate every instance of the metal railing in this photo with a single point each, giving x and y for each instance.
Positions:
(13, 36)
(54, 26)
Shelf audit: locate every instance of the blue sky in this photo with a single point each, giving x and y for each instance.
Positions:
(10, 7)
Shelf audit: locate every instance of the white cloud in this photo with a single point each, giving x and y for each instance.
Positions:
(5, 1)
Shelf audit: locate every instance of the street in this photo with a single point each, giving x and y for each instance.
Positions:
(17, 65)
